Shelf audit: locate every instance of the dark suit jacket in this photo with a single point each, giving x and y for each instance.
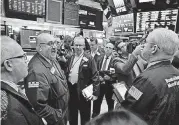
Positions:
(97, 56)
(47, 90)
(99, 65)
(87, 73)
(124, 69)
(19, 110)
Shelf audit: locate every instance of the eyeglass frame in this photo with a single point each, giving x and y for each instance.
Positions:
(21, 56)
(50, 42)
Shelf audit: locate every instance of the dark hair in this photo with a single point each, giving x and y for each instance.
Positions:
(121, 117)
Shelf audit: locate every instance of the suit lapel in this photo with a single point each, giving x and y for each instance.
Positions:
(101, 62)
(81, 63)
(110, 63)
(14, 92)
(59, 70)
(71, 62)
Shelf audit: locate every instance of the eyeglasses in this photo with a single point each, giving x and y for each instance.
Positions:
(108, 48)
(22, 56)
(51, 43)
(76, 45)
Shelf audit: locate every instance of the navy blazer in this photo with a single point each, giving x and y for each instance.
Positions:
(99, 65)
(87, 73)
(49, 95)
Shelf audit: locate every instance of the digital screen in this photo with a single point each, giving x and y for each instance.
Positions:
(120, 6)
(142, 1)
(153, 19)
(32, 7)
(90, 18)
(123, 23)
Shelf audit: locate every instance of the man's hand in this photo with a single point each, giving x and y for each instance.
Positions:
(92, 97)
(138, 50)
(101, 79)
(106, 77)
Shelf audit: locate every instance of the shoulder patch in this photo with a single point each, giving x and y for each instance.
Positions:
(135, 93)
(33, 84)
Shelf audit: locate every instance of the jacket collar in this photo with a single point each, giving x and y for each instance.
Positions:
(43, 60)
(158, 64)
(6, 87)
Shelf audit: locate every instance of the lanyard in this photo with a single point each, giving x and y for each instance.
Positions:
(73, 64)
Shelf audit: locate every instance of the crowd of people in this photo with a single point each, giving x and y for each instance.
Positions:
(60, 71)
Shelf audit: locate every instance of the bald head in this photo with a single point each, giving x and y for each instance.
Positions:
(44, 38)
(9, 48)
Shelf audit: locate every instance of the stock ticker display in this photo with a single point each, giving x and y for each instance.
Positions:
(31, 7)
(123, 23)
(153, 19)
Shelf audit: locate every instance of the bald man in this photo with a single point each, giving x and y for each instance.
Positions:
(15, 107)
(46, 85)
(82, 72)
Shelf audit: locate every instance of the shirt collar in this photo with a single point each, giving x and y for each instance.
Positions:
(11, 84)
(109, 57)
(95, 52)
(79, 55)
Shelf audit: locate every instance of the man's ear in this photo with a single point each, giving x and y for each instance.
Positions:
(8, 65)
(154, 49)
(38, 48)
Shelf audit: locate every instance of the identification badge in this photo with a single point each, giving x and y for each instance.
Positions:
(33, 84)
(85, 65)
(52, 70)
(85, 59)
(98, 53)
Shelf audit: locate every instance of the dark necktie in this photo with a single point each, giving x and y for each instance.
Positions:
(105, 64)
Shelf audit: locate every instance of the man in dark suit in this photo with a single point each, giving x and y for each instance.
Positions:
(82, 72)
(104, 65)
(15, 107)
(95, 52)
(46, 85)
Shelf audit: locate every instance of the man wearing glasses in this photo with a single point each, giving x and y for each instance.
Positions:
(46, 85)
(105, 66)
(15, 107)
(82, 72)
(154, 94)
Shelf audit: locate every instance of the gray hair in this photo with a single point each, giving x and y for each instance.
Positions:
(7, 48)
(167, 40)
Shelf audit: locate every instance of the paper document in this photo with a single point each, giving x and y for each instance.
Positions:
(88, 91)
(121, 89)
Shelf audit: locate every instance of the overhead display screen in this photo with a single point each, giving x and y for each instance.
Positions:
(120, 6)
(90, 18)
(30, 7)
(153, 19)
(142, 1)
(123, 23)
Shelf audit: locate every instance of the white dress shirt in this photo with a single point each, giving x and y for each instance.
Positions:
(73, 76)
(108, 61)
